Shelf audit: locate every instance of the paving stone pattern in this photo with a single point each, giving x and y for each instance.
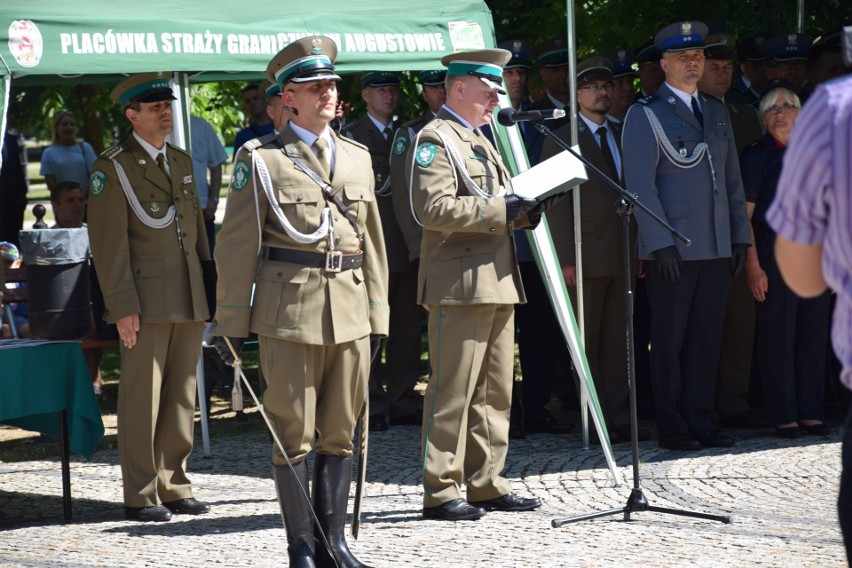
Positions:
(781, 495)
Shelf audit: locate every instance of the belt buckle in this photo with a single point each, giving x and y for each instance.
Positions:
(333, 261)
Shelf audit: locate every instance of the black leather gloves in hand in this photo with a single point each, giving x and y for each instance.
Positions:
(517, 206)
(223, 350)
(375, 346)
(668, 263)
(544, 205)
(739, 251)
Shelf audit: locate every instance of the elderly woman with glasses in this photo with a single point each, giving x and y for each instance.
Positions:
(792, 332)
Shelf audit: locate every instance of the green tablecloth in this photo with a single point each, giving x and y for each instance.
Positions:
(38, 379)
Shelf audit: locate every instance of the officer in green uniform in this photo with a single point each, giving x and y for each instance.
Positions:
(301, 264)
(147, 234)
(469, 282)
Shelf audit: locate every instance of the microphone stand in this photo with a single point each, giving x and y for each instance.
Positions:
(624, 207)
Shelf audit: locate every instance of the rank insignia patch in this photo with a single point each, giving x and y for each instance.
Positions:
(97, 182)
(240, 177)
(400, 145)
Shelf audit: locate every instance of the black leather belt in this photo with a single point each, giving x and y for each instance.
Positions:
(332, 262)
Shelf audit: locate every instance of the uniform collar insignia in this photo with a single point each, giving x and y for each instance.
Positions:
(155, 207)
(186, 180)
(142, 162)
(671, 100)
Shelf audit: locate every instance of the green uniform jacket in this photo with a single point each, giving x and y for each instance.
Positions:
(142, 269)
(467, 254)
(291, 301)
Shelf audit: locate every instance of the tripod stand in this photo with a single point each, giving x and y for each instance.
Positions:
(624, 207)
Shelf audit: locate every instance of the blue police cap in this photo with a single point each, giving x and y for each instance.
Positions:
(622, 63)
(681, 36)
(749, 48)
(520, 51)
(787, 47)
(380, 79)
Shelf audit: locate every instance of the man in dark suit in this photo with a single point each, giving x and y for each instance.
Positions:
(603, 262)
(681, 160)
(734, 374)
(375, 130)
(551, 58)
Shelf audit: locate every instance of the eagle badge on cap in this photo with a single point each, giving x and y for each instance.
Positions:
(517, 45)
(316, 44)
(686, 28)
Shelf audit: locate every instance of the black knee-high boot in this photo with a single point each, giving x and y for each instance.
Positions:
(296, 513)
(332, 476)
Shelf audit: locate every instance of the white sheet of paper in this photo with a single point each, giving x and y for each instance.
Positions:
(557, 174)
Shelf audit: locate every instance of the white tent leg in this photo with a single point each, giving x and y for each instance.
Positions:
(202, 405)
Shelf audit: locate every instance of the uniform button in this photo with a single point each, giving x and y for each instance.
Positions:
(299, 199)
(467, 250)
(492, 229)
(337, 240)
(280, 275)
(177, 199)
(181, 215)
(183, 234)
(138, 273)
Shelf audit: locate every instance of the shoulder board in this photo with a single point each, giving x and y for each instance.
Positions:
(434, 124)
(355, 143)
(181, 150)
(349, 127)
(266, 139)
(112, 152)
(710, 97)
(418, 122)
(648, 99)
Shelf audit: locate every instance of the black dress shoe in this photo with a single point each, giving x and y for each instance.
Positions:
(455, 510)
(680, 443)
(157, 513)
(378, 423)
(816, 430)
(189, 506)
(788, 433)
(715, 440)
(509, 502)
(546, 424)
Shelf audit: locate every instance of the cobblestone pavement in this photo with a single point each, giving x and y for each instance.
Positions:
(781, 495)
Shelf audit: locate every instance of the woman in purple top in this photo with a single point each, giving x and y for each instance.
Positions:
(792, 332)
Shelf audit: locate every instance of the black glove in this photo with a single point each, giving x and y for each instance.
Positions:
(517, 206)
(542, 206)
(739, 251)
(375, 346)
(668, 263)
(223, 350)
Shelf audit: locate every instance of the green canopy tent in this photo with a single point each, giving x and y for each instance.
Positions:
(55, 41)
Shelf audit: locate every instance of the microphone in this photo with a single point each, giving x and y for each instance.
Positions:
(508, 116)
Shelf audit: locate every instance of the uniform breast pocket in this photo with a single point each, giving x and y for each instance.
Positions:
(467, 267)
(279, 294)
(301, 205)
(149, 277)
(482, 175)
(358, 198)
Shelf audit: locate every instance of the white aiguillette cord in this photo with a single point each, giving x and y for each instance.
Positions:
(238, 372)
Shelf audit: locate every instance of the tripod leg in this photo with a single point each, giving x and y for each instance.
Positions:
(556, 523)
(720, 518)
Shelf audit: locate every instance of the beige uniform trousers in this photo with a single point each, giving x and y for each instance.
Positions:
(466, 407)
(314, 392)
(156, 412)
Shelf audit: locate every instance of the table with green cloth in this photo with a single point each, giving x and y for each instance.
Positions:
(45, 387)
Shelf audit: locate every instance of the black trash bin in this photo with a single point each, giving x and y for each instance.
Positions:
(57, 263)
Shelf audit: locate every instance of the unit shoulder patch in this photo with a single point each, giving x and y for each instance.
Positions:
(400, 145)
(97, 182)
(425, 154)
(240, 177)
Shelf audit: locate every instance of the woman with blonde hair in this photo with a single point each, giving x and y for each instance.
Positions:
(67, 159)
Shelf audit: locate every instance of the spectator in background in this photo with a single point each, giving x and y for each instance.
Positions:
(254, 105)
(787, 56)
(752, 80)
(67, 159)
(13, 186)
(208, 155)
(811, 215)
(792, 332)
(19, 312)
(623, 91)
(650, 73)
(69, 210)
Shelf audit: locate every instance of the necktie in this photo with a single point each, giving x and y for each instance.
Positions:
(607, 153)
(388, 132)
(321, 145)
(161, 162)
(697, 112)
